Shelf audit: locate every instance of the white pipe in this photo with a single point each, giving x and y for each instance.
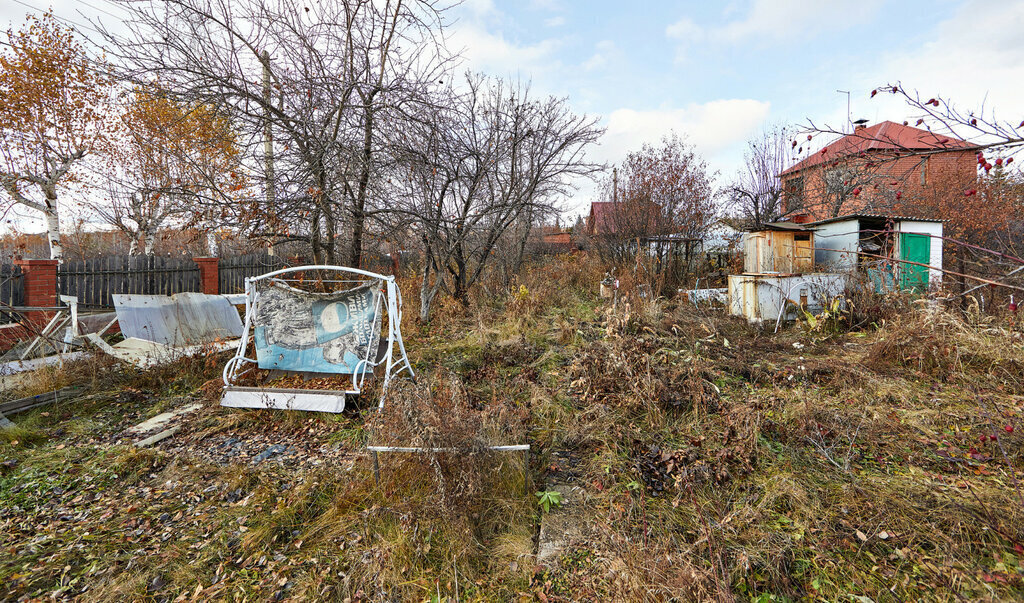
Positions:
(515, 448)
(320, 267)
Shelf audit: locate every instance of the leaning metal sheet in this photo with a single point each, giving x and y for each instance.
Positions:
(178, 320)
(316, 332)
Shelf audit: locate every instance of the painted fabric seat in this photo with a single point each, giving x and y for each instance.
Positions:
(335, 333)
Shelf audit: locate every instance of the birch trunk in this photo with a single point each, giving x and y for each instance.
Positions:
(53, 234)
(211, 243)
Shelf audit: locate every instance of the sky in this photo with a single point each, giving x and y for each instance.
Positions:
(719, 73)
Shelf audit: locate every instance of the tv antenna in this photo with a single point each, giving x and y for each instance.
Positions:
(849, 124)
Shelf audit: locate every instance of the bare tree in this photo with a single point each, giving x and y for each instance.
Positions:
(491, 158)
(335, 71)
(657, 191)
(756, 191)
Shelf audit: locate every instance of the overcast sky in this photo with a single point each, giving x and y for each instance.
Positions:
(718, 73)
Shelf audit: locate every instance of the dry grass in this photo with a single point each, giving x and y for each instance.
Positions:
(716, 462)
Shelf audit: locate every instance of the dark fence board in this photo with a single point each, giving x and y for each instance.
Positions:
(233, 271)
(95, 280)
(12, 290)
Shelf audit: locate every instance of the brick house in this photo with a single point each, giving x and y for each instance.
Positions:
(617, 219)
(875, 169)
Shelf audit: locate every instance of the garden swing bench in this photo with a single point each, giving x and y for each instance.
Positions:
(324, 333)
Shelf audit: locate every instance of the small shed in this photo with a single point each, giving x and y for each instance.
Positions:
(779, 275)
(870, 243)
(778, 248)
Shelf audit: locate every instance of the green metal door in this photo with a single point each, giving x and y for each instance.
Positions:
(915, 248)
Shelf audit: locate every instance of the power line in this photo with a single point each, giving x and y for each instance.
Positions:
(96, 8)
(56, 16)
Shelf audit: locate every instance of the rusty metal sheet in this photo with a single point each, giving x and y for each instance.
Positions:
(183, 319)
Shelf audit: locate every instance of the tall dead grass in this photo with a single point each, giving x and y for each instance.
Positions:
(436, 415)
(951, 346)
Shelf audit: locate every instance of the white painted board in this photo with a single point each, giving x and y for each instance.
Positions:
(281, 399)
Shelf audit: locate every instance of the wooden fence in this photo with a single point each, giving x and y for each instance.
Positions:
(94, 280)
(12, 290)
(232, 272)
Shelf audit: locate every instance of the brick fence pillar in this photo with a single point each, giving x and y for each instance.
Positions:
(40, 282)
(209, 275)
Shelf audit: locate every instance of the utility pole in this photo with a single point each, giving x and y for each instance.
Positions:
(615, 184)
(268, 139)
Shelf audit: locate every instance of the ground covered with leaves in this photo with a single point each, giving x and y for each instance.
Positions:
(709, 460)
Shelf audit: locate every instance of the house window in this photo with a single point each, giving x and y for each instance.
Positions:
(924, 171)
(794, 193)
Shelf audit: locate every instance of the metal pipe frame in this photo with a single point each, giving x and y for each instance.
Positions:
(393, 366)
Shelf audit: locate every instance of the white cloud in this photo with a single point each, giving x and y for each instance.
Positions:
(687, 33)
(604, 51)
(549, 5)
(774, 20)
(490, 52)
(685, 29)
(713, 127)
(478, 35)
(781, 19)
(479, 8)
(716, 129)
(974, 57)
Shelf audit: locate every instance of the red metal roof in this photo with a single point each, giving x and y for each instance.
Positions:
(602, 216)
(605, 219)
(885, 136)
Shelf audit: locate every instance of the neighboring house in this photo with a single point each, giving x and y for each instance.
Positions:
(870, 243)
(555, 240)
(872, 169)
(624, 219)
(722, 237)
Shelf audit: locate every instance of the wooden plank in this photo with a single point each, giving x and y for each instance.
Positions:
(163, 435)
(284, 399)
(23, 404)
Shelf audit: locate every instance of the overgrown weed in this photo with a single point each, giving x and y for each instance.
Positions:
(714, 460)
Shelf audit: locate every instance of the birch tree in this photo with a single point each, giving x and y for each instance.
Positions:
(51, 117)
(170, 158)
(323, 80)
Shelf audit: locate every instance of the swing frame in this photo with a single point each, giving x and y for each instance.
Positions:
(308, 399)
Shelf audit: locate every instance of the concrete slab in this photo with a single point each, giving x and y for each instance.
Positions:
(161, 420)
(562, 526)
